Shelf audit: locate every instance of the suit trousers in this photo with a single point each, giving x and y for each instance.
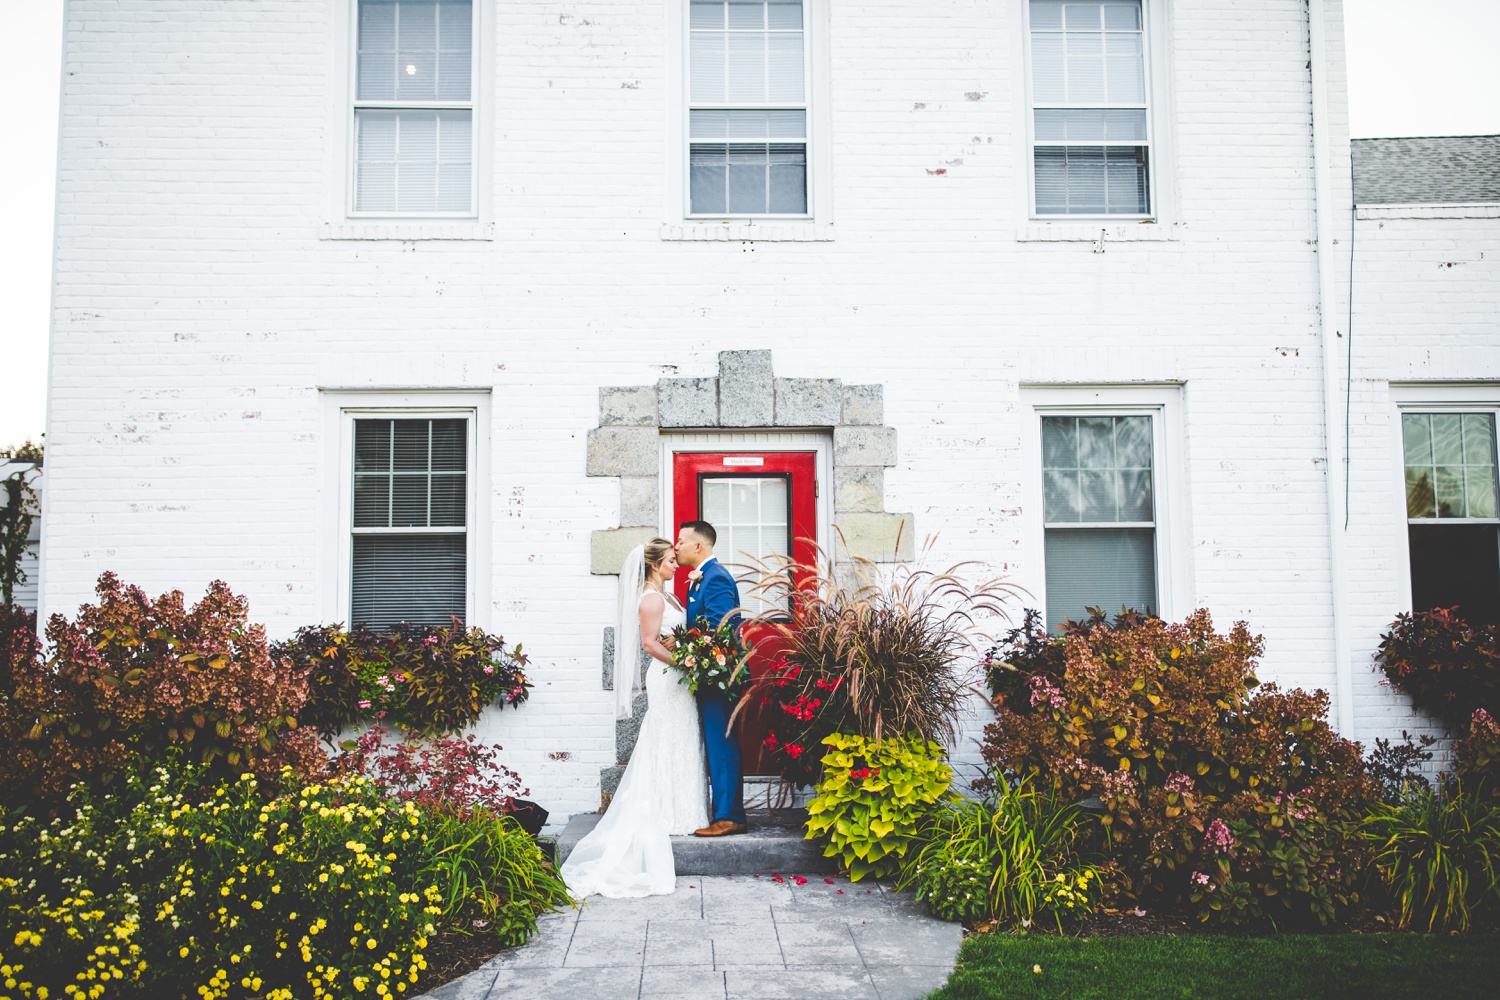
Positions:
(723, 754)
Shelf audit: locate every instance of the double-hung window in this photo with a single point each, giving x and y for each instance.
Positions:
(1453, 533)
(747, 108)
(1099, 507)
(414, 108)
(1090, 127)
(410, 521)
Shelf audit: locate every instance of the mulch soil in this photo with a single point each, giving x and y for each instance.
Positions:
(451, 955)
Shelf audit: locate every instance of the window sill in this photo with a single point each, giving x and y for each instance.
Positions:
(1471, 210)
(1090, 232)
(748, 232)
(434, 229)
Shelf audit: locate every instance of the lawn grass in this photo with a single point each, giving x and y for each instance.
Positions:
(1207, 967)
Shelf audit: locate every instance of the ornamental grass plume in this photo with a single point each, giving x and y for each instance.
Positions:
(877, 656)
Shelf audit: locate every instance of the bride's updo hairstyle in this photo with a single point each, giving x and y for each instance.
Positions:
(656, 551)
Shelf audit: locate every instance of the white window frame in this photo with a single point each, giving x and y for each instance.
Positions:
(1161, 402)
(1477, 397)
(341, 219)
(336, 557)
(816, 72)
(1155, 40)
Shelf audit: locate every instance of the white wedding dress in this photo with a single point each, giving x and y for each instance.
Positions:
(664, 791)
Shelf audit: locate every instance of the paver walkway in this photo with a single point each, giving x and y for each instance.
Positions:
(728, 937)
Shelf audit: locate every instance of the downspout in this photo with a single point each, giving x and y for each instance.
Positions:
(1327, 298)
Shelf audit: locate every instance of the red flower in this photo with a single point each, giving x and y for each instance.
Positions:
(793, 751)
(770, 740)
(863, 772)
(799, 880)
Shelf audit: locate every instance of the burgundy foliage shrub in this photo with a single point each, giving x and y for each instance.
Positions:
(130, 676)
(1445, 665)
(445, 772)
(427, 679)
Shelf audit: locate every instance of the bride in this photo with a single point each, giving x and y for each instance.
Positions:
(664, 791)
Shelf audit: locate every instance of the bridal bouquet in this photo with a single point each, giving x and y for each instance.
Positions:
(710, 659)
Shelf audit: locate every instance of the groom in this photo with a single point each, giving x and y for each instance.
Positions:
(713, 596)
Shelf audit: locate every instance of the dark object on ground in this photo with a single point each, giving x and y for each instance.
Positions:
(531, 816)
(1306, 966)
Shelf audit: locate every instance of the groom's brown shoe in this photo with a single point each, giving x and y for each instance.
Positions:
(721, 828)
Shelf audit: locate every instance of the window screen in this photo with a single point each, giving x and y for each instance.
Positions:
(1453, 534)
(413, 107)
(410, 516)
(747, 121)
(1090, 139)
(1099, 510)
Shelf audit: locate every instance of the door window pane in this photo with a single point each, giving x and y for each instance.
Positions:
(750, 515)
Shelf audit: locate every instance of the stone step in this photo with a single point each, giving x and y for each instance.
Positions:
(774, 844)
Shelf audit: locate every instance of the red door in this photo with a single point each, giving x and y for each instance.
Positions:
(761, 504)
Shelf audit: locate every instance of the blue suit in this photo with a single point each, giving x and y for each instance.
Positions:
(713, 599)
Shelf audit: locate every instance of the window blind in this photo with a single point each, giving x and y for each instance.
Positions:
(410, 516)
(1098, 499)
(748, 115)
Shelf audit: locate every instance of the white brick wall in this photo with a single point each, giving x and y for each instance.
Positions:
(198, 311)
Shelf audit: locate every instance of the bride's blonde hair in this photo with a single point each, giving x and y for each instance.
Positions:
(656, 551)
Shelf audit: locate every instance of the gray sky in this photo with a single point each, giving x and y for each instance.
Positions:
(1432, 74)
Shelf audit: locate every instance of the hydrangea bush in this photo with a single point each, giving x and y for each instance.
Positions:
(1235, 800)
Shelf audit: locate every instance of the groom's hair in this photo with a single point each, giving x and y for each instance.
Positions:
(703, 530)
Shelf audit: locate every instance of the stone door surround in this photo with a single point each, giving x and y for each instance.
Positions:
(747, 395)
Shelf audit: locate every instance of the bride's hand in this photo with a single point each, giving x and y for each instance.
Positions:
(669, 640)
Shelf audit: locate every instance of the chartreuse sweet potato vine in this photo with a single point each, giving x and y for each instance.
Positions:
(872, 797)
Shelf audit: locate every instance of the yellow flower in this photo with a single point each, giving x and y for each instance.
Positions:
(1037, 969)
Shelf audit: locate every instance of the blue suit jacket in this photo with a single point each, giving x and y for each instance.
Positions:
(714, 598)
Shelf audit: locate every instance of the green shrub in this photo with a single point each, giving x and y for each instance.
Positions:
(1164, 724)
(426, 679)
(872, 797)
(875, 658)
(1444, 664)
(1011, 858)
(1439, 850)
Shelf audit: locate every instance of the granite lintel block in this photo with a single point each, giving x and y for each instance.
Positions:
(747, 393)
(864, 404)
(807, 402)
(858, 488)
(855, 445)
(688, 402)
(878, 537)
(623, 451)
(627, 405)
(607, 549)
(640, 501)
